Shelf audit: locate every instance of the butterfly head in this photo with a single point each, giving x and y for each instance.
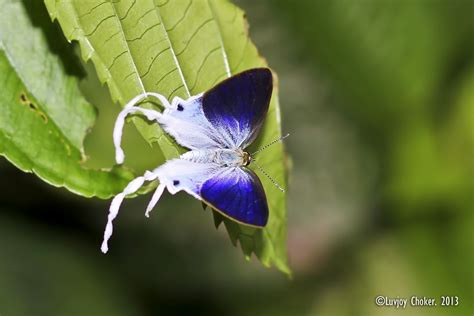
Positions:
(246, 158)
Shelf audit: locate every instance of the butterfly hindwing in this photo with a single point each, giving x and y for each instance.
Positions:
(237, 106)
(237, 193)
(179, 174)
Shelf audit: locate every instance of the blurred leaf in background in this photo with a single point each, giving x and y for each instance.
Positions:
(44, 116)
(46, 276)
(401, 73)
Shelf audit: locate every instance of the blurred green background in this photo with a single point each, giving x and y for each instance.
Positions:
(379, 99)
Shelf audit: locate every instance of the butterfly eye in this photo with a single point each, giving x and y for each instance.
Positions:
(175, 182)
(180, 107)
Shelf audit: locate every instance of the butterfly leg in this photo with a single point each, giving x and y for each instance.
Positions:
(132, 187)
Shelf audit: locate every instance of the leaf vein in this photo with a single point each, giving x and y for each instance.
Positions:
(143, 34)
(172, 92)
(153, 61)
(115, 59)
(182, 18)
(99, 24)
(142, 16)
(163, 4)
(165, 75)
(175, 58)
(86, 39)
(111, 36)
(193, 35)
(127, 76)
(202, 65)
(128, 10)
(92, 9)
(221, 40)
(124, 38)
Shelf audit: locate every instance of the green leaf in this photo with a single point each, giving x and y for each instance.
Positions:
(44, 117)
(179, 48)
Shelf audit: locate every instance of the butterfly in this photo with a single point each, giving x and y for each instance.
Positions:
(216, 126)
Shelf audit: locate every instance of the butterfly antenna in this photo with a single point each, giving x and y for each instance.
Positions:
(279, 139)
(268, 176)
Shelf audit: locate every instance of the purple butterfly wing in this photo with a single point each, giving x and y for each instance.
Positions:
(237, 106)
(237, 193)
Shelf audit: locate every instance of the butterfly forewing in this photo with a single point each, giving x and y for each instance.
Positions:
(189, 127)
(237, 106)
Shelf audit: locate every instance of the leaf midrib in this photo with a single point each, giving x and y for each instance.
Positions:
(175, 58)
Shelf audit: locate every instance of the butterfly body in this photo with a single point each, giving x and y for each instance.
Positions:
(216, 126)
(222, 157)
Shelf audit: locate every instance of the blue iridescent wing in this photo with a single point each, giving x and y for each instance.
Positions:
(237, 106)
(237, 193)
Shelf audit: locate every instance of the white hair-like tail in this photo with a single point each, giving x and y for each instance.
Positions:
(130, 108)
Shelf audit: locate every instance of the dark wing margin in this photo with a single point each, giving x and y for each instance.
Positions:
(238, 194)
(237, 106)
